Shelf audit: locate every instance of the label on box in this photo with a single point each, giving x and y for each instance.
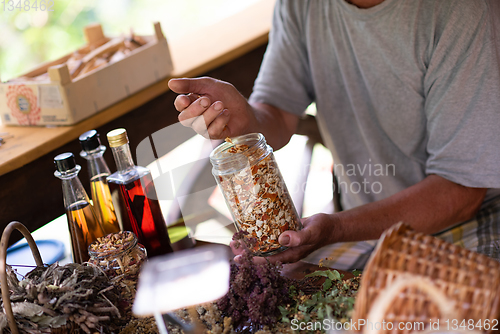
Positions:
(22, 104)
(49, 97)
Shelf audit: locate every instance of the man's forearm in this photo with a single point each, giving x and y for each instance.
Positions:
(429, 207)
(275, 124)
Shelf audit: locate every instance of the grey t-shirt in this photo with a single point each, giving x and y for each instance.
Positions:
(404, 89)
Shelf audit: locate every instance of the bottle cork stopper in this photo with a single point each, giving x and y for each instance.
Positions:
(117, 137)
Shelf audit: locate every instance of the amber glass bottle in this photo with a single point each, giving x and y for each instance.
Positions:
(84, 227)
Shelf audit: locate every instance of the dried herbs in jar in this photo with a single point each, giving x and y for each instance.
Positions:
(118, 254)
(254, 190)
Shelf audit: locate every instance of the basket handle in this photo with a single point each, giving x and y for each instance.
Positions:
(3, 267)
(386, 298)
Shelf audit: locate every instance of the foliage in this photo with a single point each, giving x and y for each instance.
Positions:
(31, 37)
(259, 295)
(335, 300)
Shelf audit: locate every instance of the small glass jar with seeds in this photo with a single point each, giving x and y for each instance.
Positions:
(247, 173)
(118, 254)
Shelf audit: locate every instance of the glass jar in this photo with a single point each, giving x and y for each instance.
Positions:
(118, 254)
(247, 173)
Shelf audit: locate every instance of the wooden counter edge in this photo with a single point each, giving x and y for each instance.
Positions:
(31, 143)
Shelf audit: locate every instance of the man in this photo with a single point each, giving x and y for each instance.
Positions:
(410, 88)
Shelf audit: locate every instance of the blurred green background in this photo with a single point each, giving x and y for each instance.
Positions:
(28, 38)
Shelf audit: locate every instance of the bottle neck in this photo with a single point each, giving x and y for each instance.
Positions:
(96, 163)
(123, 158)
(72, 188)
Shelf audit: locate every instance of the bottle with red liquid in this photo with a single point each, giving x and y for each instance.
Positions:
(135, 199)
(83, 225)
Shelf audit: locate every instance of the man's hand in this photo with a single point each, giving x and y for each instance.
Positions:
(213, 108)
(216, 110)
(317, 232)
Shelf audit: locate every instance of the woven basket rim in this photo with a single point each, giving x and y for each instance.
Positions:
(376, 274)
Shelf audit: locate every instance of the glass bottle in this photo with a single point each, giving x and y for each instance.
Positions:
(98, 172)
(247, 173)
(83, 225)
(135, 199)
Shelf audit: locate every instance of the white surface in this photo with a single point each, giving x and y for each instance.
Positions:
(55, 230)
(214, 231)
(182, 279)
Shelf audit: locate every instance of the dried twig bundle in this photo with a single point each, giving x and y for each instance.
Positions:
(62, 297)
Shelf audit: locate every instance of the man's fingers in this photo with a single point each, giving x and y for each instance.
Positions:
(216, 124)
(290, 255)
(199, 126)
(238, 250)
(295, 239)
(256, 259)
(236, 247)
(299, 238)
(212, 113)
(195, 109)
(181, 102)
(218, 128)
(191, 85)
(180, 85)
(207, 119)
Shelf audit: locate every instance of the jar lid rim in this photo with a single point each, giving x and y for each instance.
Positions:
(254, 138)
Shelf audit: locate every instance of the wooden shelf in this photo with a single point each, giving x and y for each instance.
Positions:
(192, 56)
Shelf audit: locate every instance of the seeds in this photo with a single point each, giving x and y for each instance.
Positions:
(237, 147)
(117, 254)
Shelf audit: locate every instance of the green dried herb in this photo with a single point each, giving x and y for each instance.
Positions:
(335, 300)
(334, 275)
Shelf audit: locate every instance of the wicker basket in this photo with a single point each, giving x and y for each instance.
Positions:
(471, 281)
(68, 328)
(420, 285)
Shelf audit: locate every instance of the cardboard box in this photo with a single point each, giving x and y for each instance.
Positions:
(61, 100)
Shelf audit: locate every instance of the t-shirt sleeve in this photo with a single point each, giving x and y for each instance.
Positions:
(462, 102)
(284, 79)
